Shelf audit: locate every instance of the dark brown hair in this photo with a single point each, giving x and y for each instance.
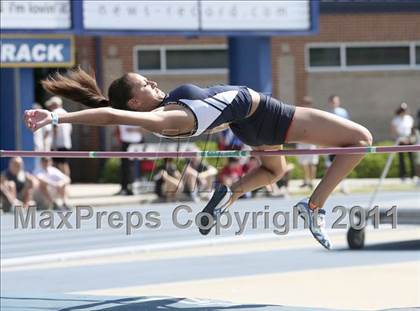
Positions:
(307, 101)
(403, 107)
(79, 86)
(331, 97)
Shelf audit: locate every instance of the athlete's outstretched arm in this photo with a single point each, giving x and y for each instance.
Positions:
(154, 121)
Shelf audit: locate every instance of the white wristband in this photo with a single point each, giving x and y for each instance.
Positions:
(54, 118)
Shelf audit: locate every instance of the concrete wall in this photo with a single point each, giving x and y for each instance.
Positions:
(370, 97)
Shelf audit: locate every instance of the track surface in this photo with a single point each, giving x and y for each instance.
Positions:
(171, 268)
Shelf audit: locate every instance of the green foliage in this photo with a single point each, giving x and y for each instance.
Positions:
(211, 146)
(370, 167)
(111, 171)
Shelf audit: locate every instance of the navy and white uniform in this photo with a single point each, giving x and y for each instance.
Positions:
(232, 104)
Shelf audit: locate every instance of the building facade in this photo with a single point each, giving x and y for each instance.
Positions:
(367, 52)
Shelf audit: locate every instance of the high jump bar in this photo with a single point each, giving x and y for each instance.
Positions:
(209, 154)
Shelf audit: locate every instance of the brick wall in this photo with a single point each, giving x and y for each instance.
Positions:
(375, 92)
(116, 49)
(371, 97)
(345, 28)
(85, 137)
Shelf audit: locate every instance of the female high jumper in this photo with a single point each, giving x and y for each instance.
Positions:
(260, 121)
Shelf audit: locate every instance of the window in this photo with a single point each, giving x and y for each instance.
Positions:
(148, 60)
(324, 57)
(371, 56)
(363, 56)
(181, 59)
(196, 59)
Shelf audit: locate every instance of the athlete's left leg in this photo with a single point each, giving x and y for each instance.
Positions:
(272, 169)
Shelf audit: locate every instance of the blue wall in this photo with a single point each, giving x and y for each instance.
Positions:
(7, 112)
(27, 99)
(14, 100)
(250, 63)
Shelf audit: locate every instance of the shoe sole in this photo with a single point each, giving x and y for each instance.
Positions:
(217, 197)
(310, 229)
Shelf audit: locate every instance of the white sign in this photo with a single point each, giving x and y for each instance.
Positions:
(52, 14)
(198, 15)
(37, 53)
(140, 15)
(255, 15)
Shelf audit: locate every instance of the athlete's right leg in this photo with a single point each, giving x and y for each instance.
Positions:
(325, 129)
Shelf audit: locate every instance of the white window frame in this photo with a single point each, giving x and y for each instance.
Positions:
(164, 48)
(413, 52)
(343, 47)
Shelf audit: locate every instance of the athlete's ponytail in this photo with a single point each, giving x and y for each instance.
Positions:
(78, 86)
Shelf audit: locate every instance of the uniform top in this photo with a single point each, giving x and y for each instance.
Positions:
(210, 106)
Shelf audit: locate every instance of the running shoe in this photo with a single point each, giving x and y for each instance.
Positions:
(215, 207)
(316, 222)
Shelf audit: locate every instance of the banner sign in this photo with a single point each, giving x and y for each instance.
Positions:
(37, 51)
(140, 15)
(255, 15)
(35, 14)
(198, 15)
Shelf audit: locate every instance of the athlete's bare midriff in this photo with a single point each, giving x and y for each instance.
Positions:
(255, 101)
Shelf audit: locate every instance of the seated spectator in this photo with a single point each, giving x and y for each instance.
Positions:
(199, 177)
(231, 172)
(168, 185)
(16, 185)
(52, 186)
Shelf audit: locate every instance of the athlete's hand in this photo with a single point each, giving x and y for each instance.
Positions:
(36, 118)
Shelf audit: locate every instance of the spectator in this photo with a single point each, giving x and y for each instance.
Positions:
(168, 181)
(128, 135)
(308, 162)
(401, 129)
(61, 134)
(42, 138)
(52, 186)
(335, 103)
(199, 177)
(231, 172)
(16, 185)
(417, 135)
(228, 141)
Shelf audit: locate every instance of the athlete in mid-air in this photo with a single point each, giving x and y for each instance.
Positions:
(261, 122)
